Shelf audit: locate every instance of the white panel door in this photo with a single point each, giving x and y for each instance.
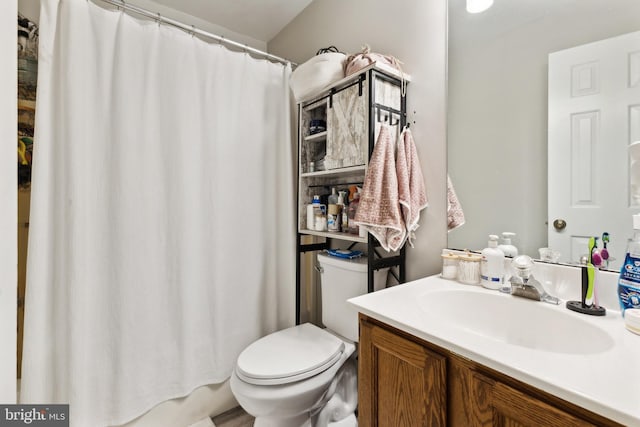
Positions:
(594, 114)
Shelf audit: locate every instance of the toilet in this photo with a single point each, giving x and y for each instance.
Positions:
(306, 375)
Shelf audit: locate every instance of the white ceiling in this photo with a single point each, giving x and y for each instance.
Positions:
(507, 15)
(259, 19)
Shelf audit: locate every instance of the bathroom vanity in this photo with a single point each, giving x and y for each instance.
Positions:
(435, 352)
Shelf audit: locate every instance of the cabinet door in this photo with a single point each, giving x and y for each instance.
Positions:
(513, 408)
(401, 383)
(348, 129)
(470, 395)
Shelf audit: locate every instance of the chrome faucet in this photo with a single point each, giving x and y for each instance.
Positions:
(523, 284)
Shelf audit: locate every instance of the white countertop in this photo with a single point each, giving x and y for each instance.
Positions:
(606, 382)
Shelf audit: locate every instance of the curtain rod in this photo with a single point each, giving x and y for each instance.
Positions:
(193, 30)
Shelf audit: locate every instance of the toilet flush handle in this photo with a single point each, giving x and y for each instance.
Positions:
(319, 269)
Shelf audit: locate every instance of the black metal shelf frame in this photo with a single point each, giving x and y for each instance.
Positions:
(375, 260)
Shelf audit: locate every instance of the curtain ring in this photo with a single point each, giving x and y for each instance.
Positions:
(158, 19)
(193, 30)
(220, 41)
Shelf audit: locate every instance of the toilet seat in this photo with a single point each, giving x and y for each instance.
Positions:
(289, 355)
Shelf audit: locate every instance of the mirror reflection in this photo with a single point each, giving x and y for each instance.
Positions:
(503, 155)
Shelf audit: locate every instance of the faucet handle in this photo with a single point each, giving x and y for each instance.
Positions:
(522, 265)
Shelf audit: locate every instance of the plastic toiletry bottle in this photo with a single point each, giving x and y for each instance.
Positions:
(333, 212)
(353, 208)
(510, 252)
(507, 247)
(629, 280)
(333, 198)
(319, 215)
(344, 220)
(311, 215)
(341, 210)
(492, 265)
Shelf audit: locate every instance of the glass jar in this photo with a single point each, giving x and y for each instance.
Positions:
(469, 269)
(449, 266)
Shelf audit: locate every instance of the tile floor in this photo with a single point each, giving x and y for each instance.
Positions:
(236, 417)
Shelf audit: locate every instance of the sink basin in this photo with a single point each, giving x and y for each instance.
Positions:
(516, 321)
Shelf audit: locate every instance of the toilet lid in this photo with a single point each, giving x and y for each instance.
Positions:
(289, 355)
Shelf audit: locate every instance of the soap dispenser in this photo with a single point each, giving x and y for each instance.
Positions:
(492, 265)
(510, 252)
(507, 247)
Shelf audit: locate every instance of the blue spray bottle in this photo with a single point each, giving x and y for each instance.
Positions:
(629, 280)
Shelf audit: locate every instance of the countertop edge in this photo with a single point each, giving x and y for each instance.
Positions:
(579, 399)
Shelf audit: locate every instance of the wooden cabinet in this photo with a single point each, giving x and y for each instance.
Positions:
(405, 381)
(401, 383)
(512, 408)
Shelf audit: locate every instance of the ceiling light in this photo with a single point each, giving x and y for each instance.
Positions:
(477, 6)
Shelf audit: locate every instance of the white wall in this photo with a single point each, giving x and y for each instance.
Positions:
(31, 9)
(9, 197)
(497, 136)
(414, 31)
(199, 23)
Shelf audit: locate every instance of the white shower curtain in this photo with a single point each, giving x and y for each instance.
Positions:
(162, 225)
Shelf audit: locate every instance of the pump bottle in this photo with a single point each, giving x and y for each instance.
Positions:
(492, 265)
(507, 247)
(510, 252)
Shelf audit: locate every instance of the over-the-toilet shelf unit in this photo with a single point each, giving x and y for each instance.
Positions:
(353, 109)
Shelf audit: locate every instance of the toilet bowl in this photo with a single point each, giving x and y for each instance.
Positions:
(280, 398)
(306, 375)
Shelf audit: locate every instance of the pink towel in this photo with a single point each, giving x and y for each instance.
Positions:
(411, 191)
(455, 215)
(379, 210)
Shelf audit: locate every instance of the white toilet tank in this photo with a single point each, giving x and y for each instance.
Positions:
(341, 279)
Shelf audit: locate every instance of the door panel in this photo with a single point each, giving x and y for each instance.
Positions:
(401, 383)
(594, 115)
(24, 197)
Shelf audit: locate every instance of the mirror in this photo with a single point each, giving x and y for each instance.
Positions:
(498, 111)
